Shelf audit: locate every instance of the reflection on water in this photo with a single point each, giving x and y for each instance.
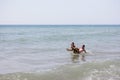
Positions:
(75, 58)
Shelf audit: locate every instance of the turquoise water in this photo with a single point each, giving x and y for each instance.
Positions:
(38, 52)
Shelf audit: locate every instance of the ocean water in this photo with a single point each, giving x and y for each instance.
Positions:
(38, 52)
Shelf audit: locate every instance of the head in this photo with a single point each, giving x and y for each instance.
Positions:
(83, 46)
(72, 43)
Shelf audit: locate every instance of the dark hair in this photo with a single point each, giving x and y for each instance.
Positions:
(83, 46)
(72, 42)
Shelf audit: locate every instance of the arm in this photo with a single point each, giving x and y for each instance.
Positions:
(69, 49)
(84, 51)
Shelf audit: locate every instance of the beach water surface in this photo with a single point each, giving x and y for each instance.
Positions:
(38, 52)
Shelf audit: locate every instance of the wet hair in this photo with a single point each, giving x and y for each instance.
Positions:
(72, 42)
(83, 46)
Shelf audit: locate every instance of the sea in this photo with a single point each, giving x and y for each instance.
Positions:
(38, 52)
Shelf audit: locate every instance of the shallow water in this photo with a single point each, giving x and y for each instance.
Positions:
(39, 52)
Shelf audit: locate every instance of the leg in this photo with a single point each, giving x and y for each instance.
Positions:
(82, 57)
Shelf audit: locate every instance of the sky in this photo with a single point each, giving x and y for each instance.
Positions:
(54, 12)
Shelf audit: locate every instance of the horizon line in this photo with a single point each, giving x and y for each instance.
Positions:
(64, 24)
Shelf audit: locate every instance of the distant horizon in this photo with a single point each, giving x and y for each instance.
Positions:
(60, 24)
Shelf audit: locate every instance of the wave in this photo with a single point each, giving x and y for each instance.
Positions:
(107, 70)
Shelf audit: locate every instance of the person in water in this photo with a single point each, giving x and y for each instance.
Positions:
(72, 47)
(76, 50)
(82, 51)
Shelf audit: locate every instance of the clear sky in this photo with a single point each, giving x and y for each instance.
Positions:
(59, 12)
